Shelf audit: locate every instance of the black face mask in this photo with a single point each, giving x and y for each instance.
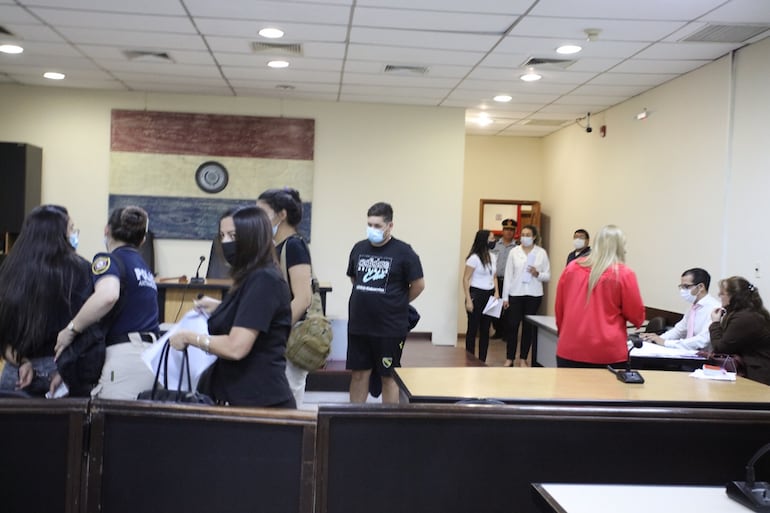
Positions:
(491, 244)
(228, 250)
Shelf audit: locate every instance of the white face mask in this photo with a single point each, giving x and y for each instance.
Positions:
(527, 241)
(685, 293)
(579, 243)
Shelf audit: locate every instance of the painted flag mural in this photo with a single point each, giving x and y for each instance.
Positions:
(187, 169)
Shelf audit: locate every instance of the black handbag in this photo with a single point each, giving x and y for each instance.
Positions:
(174, 396)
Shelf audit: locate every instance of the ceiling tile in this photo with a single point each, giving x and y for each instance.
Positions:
(740, 11)
(116, 21)
(275, 11)
(424, 39)
(171, 7)
(611, 30)
(646, 10)
(657, 66)
(294, 32)
(692, 51)
(477, 6)
(133, 40)
(419, 56)
(433, 20)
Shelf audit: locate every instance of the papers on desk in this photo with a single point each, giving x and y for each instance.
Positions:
(494, 307)
(652, 350)
(199, 359)
(713, 372)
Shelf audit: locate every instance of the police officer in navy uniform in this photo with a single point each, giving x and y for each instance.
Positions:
(125, 299)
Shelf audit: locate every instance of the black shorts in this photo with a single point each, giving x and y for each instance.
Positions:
(366, 352)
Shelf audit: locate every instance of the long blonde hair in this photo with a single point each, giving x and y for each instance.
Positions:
(609, 249)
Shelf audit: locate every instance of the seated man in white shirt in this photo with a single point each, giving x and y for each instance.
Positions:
(692, 332)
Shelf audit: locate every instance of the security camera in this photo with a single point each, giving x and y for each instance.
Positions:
(589, 129)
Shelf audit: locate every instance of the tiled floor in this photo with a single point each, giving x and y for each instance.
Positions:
(417, 353)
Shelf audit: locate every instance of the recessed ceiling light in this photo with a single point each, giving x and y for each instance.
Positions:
(278, 64)
(530, 76)
(568, 49)
(271, 33)
(484, 119)
(502, 98)
(11, 49)
(53, 75)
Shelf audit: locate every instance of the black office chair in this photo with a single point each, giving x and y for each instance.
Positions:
(218, 268)
(656, 325)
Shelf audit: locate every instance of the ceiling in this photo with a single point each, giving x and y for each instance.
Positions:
(338, 50)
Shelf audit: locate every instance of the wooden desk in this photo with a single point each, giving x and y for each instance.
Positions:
(544, 350)
(520, 385)
(581, 498)
(174, 298)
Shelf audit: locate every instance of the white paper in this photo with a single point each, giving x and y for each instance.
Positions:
(723, 376)
(494, 307)
(199, 359)
(652, 350)
(527, 276)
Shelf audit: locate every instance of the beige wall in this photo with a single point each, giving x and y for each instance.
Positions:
(410, 156)
(495, 168)
(688, 185)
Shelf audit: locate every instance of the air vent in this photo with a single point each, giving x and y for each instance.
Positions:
(147, 56)
(726, 33)
(543, 62)
(544, 122)
(277, 48)
(406, 70)
(5, 32)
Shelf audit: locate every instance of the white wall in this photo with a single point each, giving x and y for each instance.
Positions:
(745, 225)
(409, 156)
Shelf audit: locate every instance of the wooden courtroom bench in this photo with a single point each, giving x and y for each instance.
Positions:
(42, 454)
(163, 457)
(459, 458)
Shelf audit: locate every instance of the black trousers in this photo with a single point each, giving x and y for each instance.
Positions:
(501, 324)
(478, 323)
(518, 307)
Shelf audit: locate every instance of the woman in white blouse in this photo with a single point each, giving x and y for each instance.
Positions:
(526, 270)
(479, 284)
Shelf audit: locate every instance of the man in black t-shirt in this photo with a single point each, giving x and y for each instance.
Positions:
(386, 275)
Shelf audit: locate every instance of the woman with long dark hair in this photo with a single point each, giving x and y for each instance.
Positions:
(479, 284)
(284, 208)
(249, 328)
(125, 301)
(741, 327)
(43, 283)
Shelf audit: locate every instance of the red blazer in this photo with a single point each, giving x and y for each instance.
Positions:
(595, 332)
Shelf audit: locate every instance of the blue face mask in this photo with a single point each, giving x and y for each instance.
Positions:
(374, 235)
(74, 239)
(275, 228)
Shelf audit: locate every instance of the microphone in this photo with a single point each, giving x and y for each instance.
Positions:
(754, 495)
(198, 280)
(628, 375)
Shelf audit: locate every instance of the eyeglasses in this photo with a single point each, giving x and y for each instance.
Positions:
(687, 286)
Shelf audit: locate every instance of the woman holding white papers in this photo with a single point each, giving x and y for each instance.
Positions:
(525, 272)
(249, 328)
(479, 285)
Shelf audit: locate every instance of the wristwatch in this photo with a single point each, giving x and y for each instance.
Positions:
(71, 327)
